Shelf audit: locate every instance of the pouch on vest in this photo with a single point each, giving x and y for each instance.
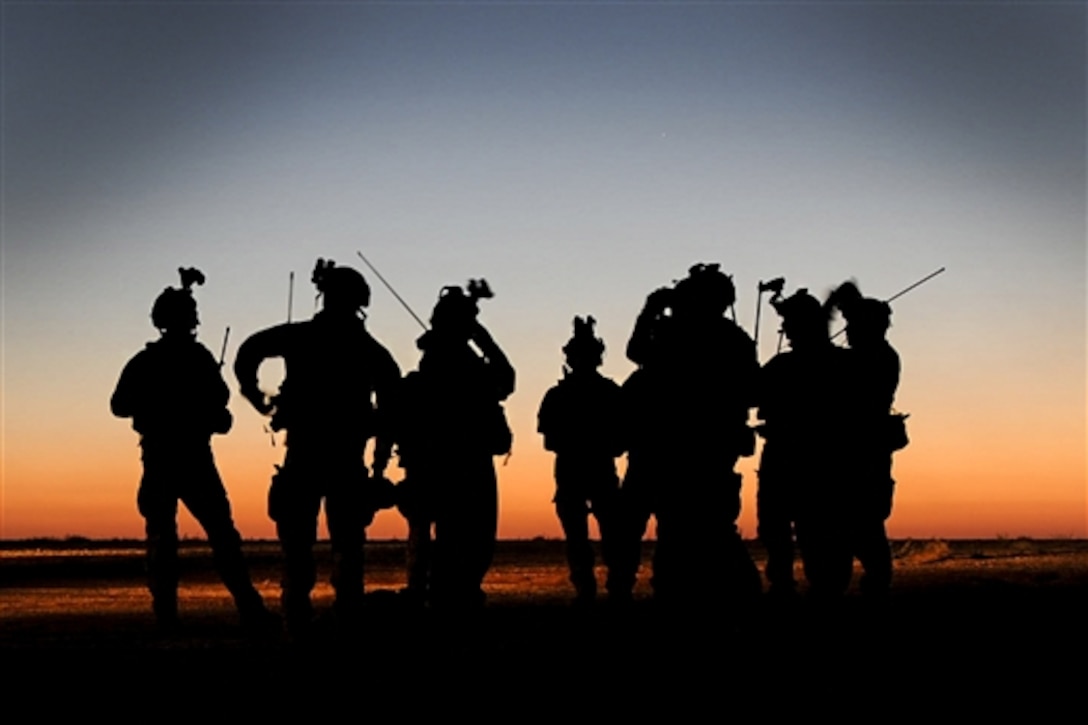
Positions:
(896, 431)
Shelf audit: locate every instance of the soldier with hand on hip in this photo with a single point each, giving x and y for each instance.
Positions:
(177, 399)
(338, 379)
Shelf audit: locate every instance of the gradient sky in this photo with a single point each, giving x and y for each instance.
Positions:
(577, 155)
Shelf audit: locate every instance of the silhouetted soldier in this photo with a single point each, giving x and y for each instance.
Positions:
(798, 406)
(450, 425)
(176, 397)
(330, 403)
(581, 419)
(688, 403)
(873, 432)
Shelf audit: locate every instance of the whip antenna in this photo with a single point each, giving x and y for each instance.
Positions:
(290, 293)
(393, 291)
(900, 293)
(223, 352)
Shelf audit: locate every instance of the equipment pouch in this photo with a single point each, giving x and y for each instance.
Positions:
(279, 496)
(896, 431)
(746, 441)
(499, 436)
(221, 421)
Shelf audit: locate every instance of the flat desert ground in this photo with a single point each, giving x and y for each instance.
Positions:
(1011, 611)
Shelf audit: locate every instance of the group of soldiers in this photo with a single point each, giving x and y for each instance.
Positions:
(681, 418)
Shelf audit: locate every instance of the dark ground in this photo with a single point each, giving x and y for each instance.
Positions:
(985, 622)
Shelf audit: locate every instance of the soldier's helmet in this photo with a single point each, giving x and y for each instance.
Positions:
(584, 346)
(706, 289)
(456, 309)
(800, 306)
(802, 315)
(870, 314)
(175, 309)
(343, 288)
(865, 316)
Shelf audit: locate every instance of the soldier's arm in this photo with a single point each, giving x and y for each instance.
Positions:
(897, 369)
(618, 433)
(640, 346)
(499, 367)
(256, 349)
(386, 390)
(545, 422)
(126, 396)
(217, 392)
(749, 371)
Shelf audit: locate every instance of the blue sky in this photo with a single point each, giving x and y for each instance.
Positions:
(577, 155)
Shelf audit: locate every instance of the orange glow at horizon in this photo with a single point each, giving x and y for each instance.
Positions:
(937, 495)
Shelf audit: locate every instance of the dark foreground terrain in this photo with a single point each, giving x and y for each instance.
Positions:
(1003, 619)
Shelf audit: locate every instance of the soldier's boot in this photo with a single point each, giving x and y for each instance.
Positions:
(623, 566)
(162, 578)
(580, 561)
(298, 613)
(585, 587)
(779, 570)
(875, 554)
(347, 582)
(253, 615)
(621, 589)
(585, 596)
(165, 606)
(418, 558)
(298, 581)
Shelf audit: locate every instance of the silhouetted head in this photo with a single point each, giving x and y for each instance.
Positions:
(455, 312)
(804, 319)
(705, 292)
(174, 311)
(867, 319)
(343, 289)
(584, 350)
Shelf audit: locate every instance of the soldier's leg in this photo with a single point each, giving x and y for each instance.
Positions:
(158, 504)
(294, 508)
(775, 531)
(484, 528)
(699, 554)
(419, 557)
(466, 523)
(347, 519)
(574, 517)
(668, 552)
(871, 544)
(742, 581)
(875, 554)
(206, 498)
(633, 508)
(415, 503)
(605, 506)
(823, 539)
(682, 523)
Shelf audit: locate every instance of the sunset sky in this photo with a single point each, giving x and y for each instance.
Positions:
(577, 156)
